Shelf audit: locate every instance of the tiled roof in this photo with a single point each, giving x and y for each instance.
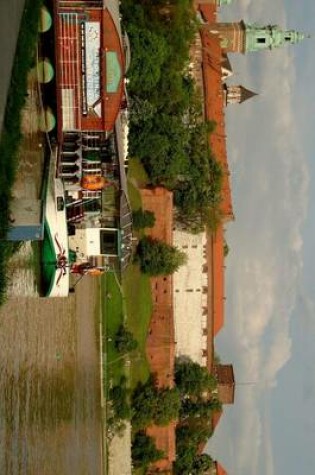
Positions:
(214, 109)
(220, 470)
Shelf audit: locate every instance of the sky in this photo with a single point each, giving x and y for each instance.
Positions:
(270, 285)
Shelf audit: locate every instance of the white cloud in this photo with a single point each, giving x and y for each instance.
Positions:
(270, 187)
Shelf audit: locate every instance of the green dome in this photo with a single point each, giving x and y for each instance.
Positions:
(225, 2)
(46, 120)
(45, 20)
(45, 71)
(269, 37)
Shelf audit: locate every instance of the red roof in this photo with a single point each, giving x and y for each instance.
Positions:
(220, 469)
(218, 271)
(208, 11)
(216, 416)
(73, 110)
(214, 109)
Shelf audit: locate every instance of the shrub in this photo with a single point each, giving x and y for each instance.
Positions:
(124, 340)
(144, 451)
(143, 219)
(158, 258)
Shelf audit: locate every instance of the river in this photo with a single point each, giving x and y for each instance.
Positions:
(50, 417)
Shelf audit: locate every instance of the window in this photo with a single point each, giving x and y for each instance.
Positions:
(109, 242)
(261, 40)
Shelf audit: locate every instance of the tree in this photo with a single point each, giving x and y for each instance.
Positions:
(192, 379)
(118, 396)
(201, 464)
(154, 405)
(143, 219)
(149, 51)
(159, 258)
(144, 451)
(124, 340)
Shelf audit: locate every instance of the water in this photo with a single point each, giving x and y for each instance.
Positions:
(50, 409)
(50, 417)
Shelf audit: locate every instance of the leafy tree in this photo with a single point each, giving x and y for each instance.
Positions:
(149, 51)
(201, 464)
(199, 408)
(152, 405)
(188, 461)
(124, 340)
(144, 451)
(143, 219)
(159, 258)
(192, 379)
(119, 398)
(167, 129)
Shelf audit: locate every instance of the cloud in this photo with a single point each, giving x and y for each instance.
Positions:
(270, 189)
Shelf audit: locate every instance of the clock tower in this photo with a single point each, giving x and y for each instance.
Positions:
(244, 37)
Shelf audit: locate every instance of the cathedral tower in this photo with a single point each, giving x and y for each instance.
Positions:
(219, 3)
(241, 37)
(237, 94)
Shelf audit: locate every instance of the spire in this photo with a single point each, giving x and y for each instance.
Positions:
(241, 37)
(269, 37)
(238, 94)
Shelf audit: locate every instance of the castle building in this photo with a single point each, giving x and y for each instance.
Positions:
(237, 94)
(198, 287)
(241, 37)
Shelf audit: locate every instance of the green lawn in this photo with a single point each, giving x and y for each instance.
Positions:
(134, 196)
(138, 301)
(112, 318)
(131, 304)
(136, 286)
(137, 173)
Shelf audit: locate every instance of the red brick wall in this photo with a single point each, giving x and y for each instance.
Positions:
(160, 341)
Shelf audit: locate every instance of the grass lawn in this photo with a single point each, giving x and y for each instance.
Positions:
(137, 173)
(132, 306)
(112, 317)
(136, 286)
(138, 301)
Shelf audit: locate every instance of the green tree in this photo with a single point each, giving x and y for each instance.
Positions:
(124, 340)
(149, 51)
(159, 258)
(143, 219)
(154, 405)
(192, 379)
(144, 451)
(119, 398)
(201, 464)
(199, 408)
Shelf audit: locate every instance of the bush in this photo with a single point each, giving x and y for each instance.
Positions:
(118, 396)
(143, 219)
(153, 405)
(192, 379)
(144, 451)
(124, 340)
(158, 258)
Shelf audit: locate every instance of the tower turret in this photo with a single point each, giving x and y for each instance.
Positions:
(237, 94)
(214, 2)
(269, 37)
(241, 37)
